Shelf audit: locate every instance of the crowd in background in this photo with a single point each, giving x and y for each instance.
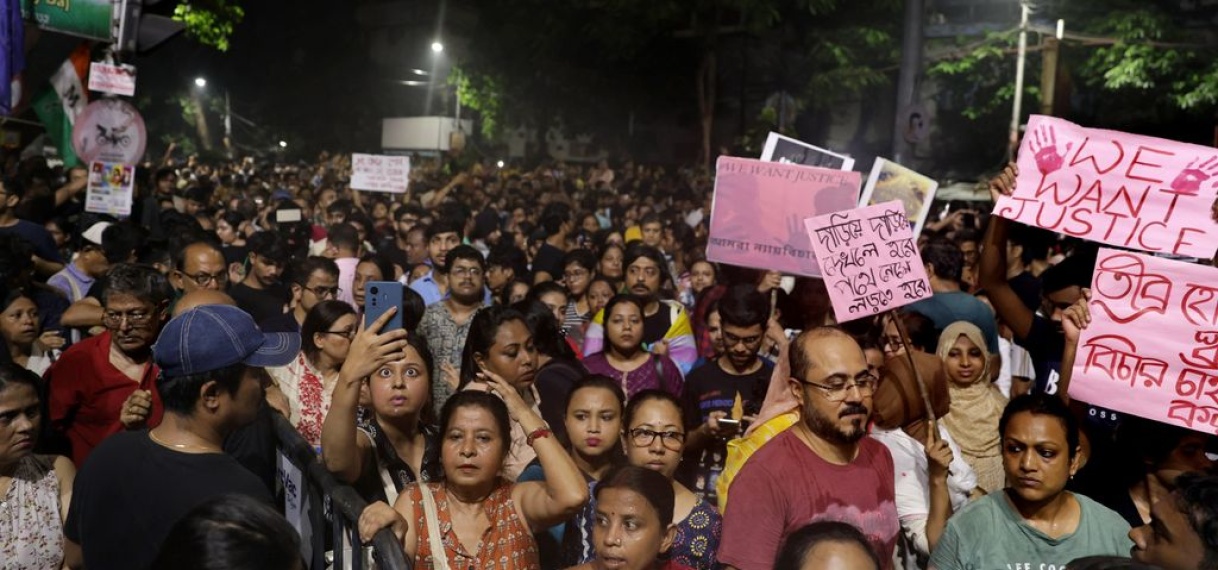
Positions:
(573, 383)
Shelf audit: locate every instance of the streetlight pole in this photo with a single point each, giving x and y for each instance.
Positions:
(200, 118)
(228, 125)
(1017, 108)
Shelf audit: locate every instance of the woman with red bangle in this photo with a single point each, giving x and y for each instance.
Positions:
(474, 518)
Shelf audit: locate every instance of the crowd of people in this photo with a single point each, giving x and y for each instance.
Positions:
(572, 385)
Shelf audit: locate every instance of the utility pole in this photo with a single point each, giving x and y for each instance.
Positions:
(907, 83)
(1016, 109)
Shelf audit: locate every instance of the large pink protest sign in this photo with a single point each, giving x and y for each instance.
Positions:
(1121, 189)
(1152, 347)
(757, 218)
(868, 259)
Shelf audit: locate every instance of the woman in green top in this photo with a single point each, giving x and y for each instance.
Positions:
(1034, 523)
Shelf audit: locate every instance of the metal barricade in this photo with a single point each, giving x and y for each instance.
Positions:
(342, 503)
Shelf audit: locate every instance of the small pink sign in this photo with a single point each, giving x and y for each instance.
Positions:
(759, 207)
(868, 259)
(1116, 188)
(1151, 349)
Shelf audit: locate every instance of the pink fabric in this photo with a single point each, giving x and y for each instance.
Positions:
(346, 279)
(778, 397)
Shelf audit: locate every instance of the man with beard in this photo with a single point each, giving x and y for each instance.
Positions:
(666, 325)
(445, 325)
(712, 390)
(442, 237)
(822, 468)
(91, 380)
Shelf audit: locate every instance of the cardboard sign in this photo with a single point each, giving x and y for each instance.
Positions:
(759, 208)
(1169, 375)
(1116, 188)
(788, 150)
(111, 189)
(109, 78)
(891, 181)
(380, 173)
(868, 259)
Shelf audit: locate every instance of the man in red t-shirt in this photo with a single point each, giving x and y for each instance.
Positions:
(822, 468)
(92, 379)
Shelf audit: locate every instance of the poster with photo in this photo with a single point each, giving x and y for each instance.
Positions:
(891, 181)
(790, 151)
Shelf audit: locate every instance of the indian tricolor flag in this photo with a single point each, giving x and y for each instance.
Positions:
(59, 106)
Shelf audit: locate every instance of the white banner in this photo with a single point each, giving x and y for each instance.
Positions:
(380, 173)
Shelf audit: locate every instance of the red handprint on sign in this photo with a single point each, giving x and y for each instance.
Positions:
(1044, 144)
(1189, 181)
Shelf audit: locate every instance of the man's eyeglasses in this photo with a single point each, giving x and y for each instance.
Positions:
(202, 279)
(837, 391)
(467, 271)
(643, 437)
(731, 340)
(323, 292)
(650, 272)
(114, 319)
(348, 334)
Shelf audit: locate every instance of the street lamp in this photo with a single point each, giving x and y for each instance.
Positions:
(283, 144)
(200, 82)
(437, 47)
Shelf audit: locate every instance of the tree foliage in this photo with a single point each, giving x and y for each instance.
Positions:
(210, 22)
(589, 65)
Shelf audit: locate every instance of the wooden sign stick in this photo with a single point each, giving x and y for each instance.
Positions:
(930, 409)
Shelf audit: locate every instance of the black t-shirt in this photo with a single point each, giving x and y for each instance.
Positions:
(131, 491)
(710, 388)
(285, 322)
(261, 304)
(657, 325)
(253, 446)
(549, 259)
(1027, 288)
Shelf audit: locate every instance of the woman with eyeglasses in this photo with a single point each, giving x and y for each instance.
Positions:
(624, 357)
(579, 270)
(654, 438)
(976, 402)
(307, 384)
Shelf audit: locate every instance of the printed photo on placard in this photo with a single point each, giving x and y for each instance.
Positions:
(891, 181)
(788, 150)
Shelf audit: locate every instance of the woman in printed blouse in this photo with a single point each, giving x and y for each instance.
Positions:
(624, 357)
(308, 383)
(474, 518)
(654, 438)
(397, 442)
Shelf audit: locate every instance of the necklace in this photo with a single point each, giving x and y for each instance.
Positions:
(182, 446)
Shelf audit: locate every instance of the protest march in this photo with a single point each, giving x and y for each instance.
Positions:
(540, 347)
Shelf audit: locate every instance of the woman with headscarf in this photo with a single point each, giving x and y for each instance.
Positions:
(976, 403)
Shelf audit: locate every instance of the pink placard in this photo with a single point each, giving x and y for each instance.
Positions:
(1116, 188)
(1152, 347)
(759, 208)
(868, 259)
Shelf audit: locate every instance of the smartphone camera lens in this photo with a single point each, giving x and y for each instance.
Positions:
(375, 291)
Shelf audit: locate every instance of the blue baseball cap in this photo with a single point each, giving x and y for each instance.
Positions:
(211, 337)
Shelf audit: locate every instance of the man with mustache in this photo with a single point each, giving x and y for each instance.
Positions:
(822, 468)
(445, 325)
(666, 325)
(91, 380)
